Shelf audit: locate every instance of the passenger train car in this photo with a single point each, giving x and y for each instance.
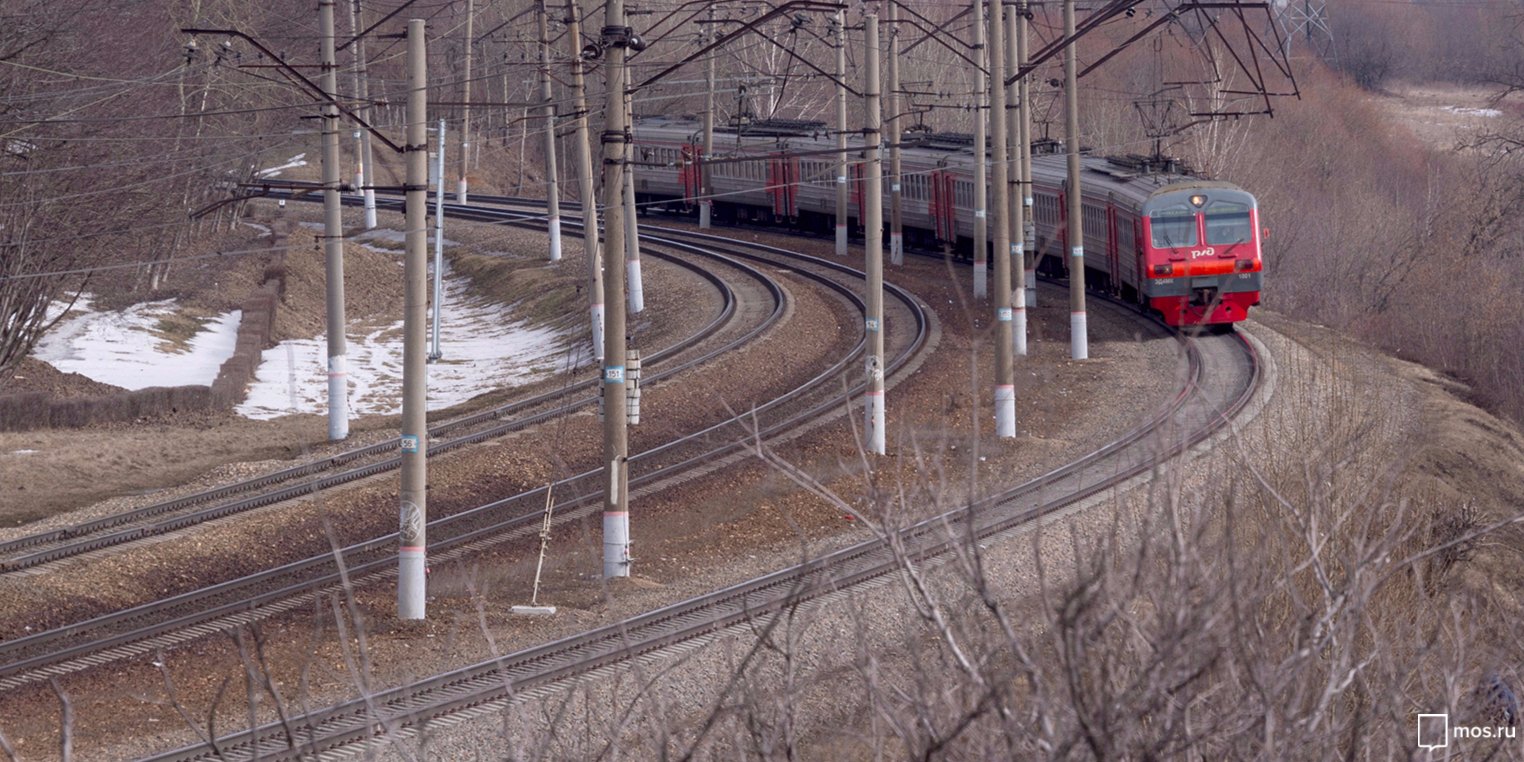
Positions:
(1182, 246)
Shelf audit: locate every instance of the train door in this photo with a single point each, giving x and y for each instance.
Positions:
(943, 206)
(791, 186)
(690, 172)
(1113, 249)
(856, 172)
(775, 185)
(1140, 275)
(1061, 231)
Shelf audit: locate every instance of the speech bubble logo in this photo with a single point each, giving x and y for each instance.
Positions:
(1433, 731)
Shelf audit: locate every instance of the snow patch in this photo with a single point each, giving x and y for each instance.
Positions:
(484, 347)
(23, 452)
(299, 160)
(1486, 113)
(121, 348)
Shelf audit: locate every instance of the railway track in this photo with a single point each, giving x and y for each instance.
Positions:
(1223, 376)
(358, 463)
(169, 622)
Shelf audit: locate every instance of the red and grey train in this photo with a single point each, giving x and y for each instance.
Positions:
(1182, 246)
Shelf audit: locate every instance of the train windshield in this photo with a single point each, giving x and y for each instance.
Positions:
(1173, 227)
(1228, 223)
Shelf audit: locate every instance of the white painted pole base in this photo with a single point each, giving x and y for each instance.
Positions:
(1019, 329)
(981, 280)
(597, 320)
(896, 249)
(555, 239)
(460, 191)
(616, 544)
(841, 240)
(412, 585)
(1079, 339)
(705, 214)
(338, 398)
(1019, 320)
(1005, 411)
(370, 208)
(1032, 287)
(873, 423)
(637, 289)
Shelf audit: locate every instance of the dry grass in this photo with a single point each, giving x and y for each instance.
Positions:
(543, 293)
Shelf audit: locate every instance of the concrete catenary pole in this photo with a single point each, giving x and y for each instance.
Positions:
(843, 191)
(333, 236)
(465, 108)
(873, 231)
(706, 184)
(412, 537)
(616, 137)
(365, 168)
(435, 352)
(896, 232)
(1016, 216)
(1005, 384)
(588, 192)
(1024, 144)
(1079, 340)
(981, 183)
(636, 300)
(547, 94)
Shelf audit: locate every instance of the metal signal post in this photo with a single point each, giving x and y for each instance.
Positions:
(873, 231)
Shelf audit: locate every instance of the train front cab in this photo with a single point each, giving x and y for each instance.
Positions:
(1201, 254)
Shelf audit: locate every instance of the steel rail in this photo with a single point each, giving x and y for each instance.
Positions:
(360, 721)
(210, 612)
(129, 526)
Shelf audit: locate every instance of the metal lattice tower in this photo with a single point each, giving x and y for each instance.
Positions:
(1308, 20)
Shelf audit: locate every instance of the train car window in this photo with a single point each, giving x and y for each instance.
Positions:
(1173, 227)
(1047, 209)
(1095, 222)
(1227, 223)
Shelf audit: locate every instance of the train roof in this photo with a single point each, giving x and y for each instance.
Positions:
(1131, 176)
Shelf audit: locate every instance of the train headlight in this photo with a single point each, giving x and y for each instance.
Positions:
(1243, 264)
(1198, 200)
(1164, 269)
